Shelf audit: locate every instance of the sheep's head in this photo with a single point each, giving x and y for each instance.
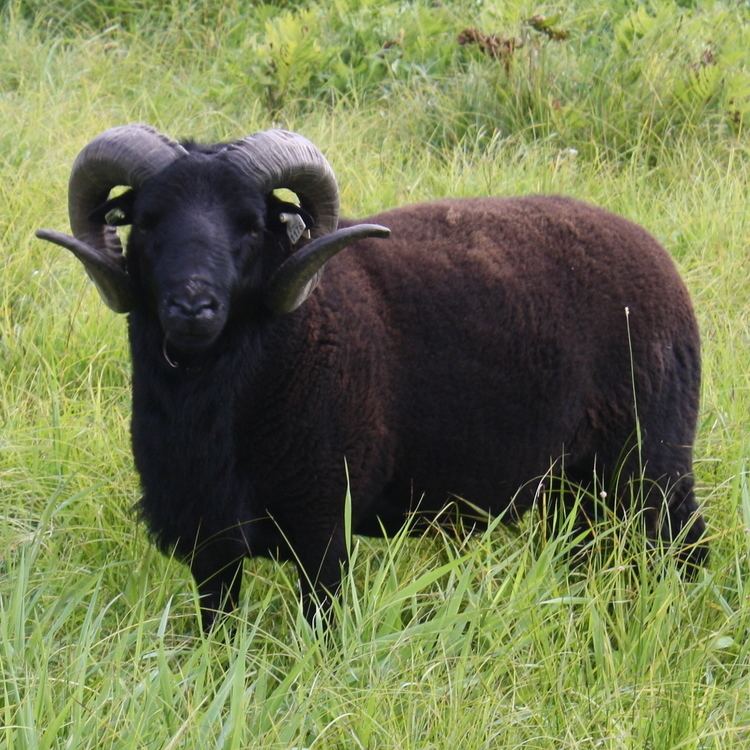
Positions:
(203, 226)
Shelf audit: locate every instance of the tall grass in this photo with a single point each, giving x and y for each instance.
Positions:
(494, 641)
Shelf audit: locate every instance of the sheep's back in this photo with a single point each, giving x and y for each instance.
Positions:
(506, 330)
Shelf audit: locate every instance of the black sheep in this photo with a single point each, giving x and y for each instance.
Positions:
(487, 341)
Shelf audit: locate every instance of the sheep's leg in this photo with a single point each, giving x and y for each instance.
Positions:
(319, 557)
(665, 459)
(664, 462)
(679, 516)
(658, 479)
(217, 570)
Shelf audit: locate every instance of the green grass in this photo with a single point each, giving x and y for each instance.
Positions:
(491, 642)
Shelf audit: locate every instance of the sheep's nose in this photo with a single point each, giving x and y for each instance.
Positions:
(192, 305)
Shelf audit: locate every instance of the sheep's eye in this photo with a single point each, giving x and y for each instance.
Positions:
(249, 226)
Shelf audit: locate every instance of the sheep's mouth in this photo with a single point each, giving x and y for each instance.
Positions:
(192, 335)
(190, 343)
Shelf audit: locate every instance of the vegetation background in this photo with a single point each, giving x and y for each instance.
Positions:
(494, 642)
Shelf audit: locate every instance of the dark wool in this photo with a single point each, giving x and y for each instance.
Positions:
(487, 343)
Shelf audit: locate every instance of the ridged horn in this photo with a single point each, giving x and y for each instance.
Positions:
(281, 159)
(299, 274)
(125, 155)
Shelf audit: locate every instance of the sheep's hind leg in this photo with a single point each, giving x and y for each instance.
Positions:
(672, 515)
(667, 501)
(666, 460)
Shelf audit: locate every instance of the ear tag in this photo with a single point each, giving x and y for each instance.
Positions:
(114, 216)
(295, 226)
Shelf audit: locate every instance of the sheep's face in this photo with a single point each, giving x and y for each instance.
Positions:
(209, 240)
(196, 247)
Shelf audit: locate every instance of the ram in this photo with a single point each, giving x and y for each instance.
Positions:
(487, 344)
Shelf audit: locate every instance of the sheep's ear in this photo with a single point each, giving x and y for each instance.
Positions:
(288, 219)
(298, 275)
(115, 212)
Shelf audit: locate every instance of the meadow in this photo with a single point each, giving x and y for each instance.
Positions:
(491, 641)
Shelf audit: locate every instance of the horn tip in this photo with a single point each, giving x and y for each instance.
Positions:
(379, 231)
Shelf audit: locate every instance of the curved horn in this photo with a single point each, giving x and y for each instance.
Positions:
(298, 275)
(280, 159)
(125, 155)
(107, 271)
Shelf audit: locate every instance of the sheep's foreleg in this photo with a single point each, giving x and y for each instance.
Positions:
(320, 559)
(218, 575)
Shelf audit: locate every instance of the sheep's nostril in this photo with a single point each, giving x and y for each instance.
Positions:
(205, 307)
(198, 306)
